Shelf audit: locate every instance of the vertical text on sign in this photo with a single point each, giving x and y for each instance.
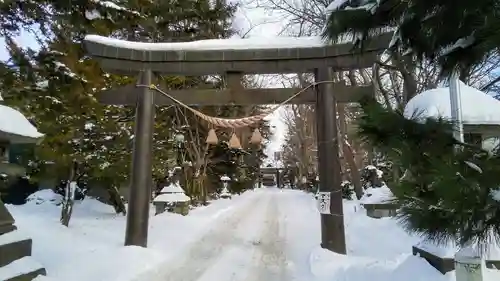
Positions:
(324, 202)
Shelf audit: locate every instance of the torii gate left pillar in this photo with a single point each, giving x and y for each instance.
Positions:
(136, 232)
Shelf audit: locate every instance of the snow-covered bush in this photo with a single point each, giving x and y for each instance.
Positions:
(347, 190)
(371, 176)
(80, 192)
(445, 194)
(15, 190)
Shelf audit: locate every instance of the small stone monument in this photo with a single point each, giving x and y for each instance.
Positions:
(172, 198)
(377, 202)
(225, 192)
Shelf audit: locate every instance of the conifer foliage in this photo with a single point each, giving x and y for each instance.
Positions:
(56, 86)
(450, 190)
(459, 34)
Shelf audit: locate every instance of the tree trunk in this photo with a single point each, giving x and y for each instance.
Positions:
(342, 125)
(347, 150)
(355, 174)
(116, 200)
(69, 196)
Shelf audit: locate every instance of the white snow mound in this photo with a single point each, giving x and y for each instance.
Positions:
(45, 196)
(477, 107)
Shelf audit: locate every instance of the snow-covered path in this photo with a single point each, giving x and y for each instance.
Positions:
(248, 245)
(262, 234)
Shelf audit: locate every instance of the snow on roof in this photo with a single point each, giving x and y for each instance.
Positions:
(215, 44)
(172, 197)
(369, 5)
(14, 122)
(377, 195)
(172, 188)
(478, 108)
(335, 5)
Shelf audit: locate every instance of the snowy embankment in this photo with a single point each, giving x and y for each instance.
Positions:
(246, 238)
(91, 247)
(378, 249)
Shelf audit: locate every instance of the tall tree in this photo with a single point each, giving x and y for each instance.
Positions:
(57, 85)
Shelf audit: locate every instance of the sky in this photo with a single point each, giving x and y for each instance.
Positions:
(257, 22)
(25, 39)
(251, 22)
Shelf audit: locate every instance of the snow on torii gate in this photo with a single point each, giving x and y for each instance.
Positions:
(233, 58)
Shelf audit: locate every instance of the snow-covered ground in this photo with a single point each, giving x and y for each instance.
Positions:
(265, 234)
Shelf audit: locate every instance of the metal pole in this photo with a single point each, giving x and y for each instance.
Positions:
(136, 232)
(463, 264)
(456, 107)
(332, 225)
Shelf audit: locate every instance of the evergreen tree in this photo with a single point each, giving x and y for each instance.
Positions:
(458, 34)
(77, 14)
(56, 86)
(449, 189)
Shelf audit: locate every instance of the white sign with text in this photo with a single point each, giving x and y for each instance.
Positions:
(324, 202)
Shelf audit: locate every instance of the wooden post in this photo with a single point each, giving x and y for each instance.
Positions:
(332, 224)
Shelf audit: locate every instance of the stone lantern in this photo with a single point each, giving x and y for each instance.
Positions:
(225, 192)
(172, 198)
(15, 129)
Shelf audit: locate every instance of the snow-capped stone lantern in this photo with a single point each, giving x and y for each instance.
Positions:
(15, 129)
(173, 199)
(378, 202)
(225, 182)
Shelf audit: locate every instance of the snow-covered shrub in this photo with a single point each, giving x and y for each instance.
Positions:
(371, 176)
(15, 190)
(347, 190)
(80, 192)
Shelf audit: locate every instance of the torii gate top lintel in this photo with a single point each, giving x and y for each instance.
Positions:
(276, 55)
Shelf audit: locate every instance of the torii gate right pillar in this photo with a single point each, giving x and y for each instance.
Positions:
(332, 224)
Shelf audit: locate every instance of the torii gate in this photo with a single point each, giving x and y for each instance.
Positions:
(232, 59)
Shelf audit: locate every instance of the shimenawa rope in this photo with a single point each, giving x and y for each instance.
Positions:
(236, 122)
